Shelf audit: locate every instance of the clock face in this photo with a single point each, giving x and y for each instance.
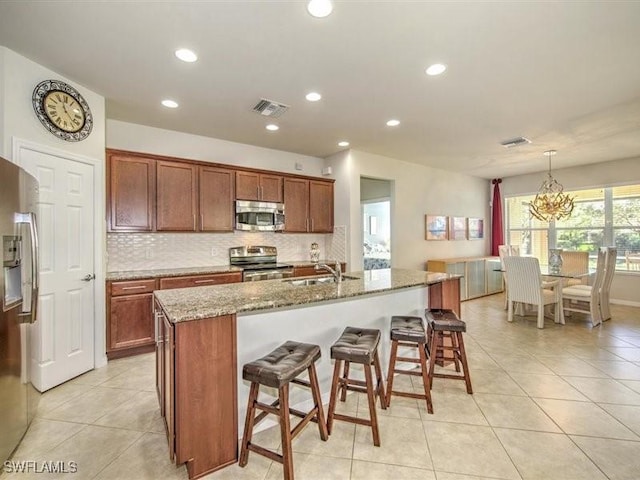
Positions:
(62, 110)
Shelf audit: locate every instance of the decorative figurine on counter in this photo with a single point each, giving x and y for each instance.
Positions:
(315, 252)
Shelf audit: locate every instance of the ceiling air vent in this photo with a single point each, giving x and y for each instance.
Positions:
(514, 142)
(269, 108)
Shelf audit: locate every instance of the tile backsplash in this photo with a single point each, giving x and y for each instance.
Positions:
(145, 251)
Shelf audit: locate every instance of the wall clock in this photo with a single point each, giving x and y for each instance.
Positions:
(62, 110)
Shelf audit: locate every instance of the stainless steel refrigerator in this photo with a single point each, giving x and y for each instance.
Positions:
(19, 297)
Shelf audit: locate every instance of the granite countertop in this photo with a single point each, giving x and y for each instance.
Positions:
(170, 272)
(178, 272)
(184, 304)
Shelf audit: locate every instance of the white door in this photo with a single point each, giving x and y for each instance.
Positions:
(64, 334)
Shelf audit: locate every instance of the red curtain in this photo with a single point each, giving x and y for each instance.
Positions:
(497, 236)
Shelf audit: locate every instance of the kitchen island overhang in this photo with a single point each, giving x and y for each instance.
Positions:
(214, 330)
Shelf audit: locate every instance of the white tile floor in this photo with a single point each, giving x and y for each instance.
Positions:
(558, 403)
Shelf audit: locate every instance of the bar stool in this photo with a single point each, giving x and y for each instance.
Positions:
(407, 331)
(277, 370)
(443, 324)
(357, 345)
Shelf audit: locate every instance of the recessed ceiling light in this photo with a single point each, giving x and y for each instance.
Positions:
(186, 55)
(170, 103)
(272, 127)
(320, 8)
(343, 144)
(393, 123)
(313, 96)
(436, 69)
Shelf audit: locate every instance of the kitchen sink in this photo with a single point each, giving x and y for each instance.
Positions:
(317, 280)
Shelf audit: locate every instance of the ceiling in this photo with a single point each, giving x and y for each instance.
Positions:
(566, 75)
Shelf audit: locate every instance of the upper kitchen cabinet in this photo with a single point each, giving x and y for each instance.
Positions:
(308, 206)
(176, 196)
(131, 189)
(321, 206)
(261, 187)
(217, 193)
(296, 205)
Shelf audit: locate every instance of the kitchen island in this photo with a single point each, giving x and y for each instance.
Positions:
(206, 334)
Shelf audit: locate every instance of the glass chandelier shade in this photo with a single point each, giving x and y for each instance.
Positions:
(551, 203)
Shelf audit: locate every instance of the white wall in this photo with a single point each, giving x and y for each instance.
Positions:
(18, 121)
(417, 190)
(141, 138)
(20, 77)
(626, 286)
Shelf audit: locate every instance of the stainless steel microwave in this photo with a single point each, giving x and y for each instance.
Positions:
(259, 216)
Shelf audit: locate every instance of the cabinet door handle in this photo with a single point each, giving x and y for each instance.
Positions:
(306, 224)
(194, 221)
(312, 224)
(205, 281)
(258, 192)
(202, 221)
(134, 288)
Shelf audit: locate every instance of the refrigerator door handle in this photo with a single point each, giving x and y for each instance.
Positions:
(30, 219)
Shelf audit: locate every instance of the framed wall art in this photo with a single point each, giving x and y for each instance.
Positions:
(436, 227)
(475, 228)
(457, 228)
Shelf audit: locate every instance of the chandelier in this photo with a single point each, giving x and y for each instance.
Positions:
(550, 202)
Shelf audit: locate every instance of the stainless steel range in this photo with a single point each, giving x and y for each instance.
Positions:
(259, 263)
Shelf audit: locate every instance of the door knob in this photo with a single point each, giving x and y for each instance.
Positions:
(88, 277)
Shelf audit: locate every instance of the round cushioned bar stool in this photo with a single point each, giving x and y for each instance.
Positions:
(407, 331)
(443, 325)
(277, 370)
(357, 345)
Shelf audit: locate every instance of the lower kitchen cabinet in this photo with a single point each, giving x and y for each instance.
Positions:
(480, 275)
(130, 328)
(200, 280)
(198, 399)
(130, 325)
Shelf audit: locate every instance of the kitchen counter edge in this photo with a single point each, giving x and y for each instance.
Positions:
(186, 304)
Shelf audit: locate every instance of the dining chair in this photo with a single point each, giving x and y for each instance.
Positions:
(588, 298)
(507, 251)
(609, 271)
(575, 262)
(632, 259)
(526, 286)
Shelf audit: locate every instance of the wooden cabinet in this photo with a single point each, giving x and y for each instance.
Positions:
(264, 187)
(480, 275)
(217, 193)
(200, 280)
(130, 322)
(130, 327)
(149, 193)
(131, 183)
(176, 196)
(296, 205)
(321, 206)
(198, 393)
(308, 206)
(308, 270)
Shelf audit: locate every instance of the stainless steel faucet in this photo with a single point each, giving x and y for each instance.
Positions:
(337, 272)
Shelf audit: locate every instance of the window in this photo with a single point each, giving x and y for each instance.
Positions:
(603, 216)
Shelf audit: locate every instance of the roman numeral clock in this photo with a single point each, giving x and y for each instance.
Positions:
(62, 110)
